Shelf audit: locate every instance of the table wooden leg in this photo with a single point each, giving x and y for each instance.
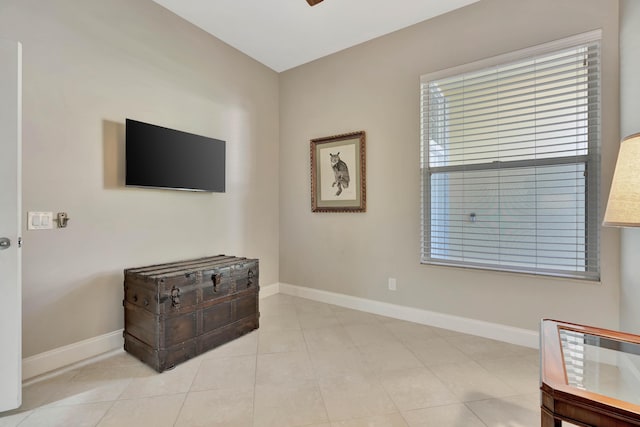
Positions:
(547, 420)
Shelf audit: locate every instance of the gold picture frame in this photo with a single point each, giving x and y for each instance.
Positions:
(338, 179)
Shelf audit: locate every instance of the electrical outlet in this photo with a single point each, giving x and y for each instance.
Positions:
(392, 284)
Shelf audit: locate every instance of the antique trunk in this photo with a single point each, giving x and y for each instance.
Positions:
(176, 311)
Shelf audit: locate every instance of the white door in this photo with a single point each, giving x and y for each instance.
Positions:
(10, 225)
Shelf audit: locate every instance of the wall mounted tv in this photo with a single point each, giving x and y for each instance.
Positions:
(167, 158)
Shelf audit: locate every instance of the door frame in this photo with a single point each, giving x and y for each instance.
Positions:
(11, 224)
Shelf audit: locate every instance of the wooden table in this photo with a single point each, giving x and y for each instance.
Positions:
(589, 376)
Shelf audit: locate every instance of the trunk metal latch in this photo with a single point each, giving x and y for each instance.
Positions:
(175, 297)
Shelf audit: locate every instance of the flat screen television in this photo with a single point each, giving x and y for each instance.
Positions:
(166, 158)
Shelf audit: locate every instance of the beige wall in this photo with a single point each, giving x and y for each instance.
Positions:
(630, 124)
(88, 65)
(375, 87)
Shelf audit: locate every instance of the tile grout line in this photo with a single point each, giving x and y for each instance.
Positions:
(474, 412)
(105, 413)
(255, 382)
(186, 395)
(355, 335)
(315, 376)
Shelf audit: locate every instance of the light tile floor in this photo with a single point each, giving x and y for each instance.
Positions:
(309, 364)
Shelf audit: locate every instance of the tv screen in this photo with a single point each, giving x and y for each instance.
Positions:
(167, 158)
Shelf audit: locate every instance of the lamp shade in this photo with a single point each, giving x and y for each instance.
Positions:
(623, 208)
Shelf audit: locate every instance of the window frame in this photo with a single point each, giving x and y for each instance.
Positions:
(592, 178)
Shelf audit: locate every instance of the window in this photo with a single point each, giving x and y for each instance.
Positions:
(510, 161)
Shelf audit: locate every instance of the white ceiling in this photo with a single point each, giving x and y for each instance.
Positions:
(283, 34)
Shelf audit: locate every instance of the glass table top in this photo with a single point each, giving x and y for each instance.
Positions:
(602, 365)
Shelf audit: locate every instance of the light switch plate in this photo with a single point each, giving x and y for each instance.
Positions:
(39, 220)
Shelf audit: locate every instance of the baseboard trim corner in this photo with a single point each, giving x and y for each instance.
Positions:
(496, 331)
(268, 290)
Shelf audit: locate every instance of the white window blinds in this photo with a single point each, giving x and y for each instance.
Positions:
(510, 162)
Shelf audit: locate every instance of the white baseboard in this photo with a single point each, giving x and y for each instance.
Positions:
(77, 354)
(267, 291)
(89, 350)
(70, 355)
(496, 331)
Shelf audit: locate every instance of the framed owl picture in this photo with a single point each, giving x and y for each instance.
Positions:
(338, 173)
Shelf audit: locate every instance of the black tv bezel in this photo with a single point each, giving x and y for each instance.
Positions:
(165, 133)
